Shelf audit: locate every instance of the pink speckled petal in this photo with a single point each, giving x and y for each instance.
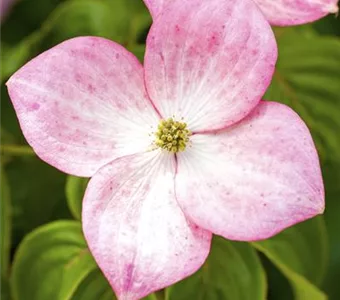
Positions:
(209, 61)
(277, 12)
(253, 179)
(294, 12)
(135, 228)
(155, 6)
(82, 104)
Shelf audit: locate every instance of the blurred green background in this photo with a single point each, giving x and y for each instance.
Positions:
(43, 253)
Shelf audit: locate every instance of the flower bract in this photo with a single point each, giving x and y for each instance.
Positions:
(277, 12)
(178, 149)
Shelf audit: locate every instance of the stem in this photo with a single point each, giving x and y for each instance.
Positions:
(17, 150)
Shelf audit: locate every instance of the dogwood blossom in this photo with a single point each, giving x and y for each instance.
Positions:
(295, 12)
(178, 149)
(279, 12)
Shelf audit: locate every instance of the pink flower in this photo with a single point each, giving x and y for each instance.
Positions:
(295, 12)
(279, 12)
(179, 149)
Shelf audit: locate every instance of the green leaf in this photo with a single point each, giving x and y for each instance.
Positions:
(6, 137)
(14, 150)
(69, 19)
(329, 25)
(140, 20)
(14, 57)
(51, 262)
(307, 79)
(118, 20)
(24, 18)
(37, 195)
(232, 271)
(332, 178)
(87, 17)
(4, 291)
(300, 253)
(138, 51)
(10, 129)
(75, 189)
(279, 287)
(5, 218)
(94, 286)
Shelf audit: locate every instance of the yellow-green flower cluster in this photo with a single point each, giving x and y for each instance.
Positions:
(172, 135)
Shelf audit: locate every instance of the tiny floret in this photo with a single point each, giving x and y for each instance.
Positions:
(172, 136)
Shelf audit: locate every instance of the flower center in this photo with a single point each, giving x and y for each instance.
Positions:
(172, 135)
